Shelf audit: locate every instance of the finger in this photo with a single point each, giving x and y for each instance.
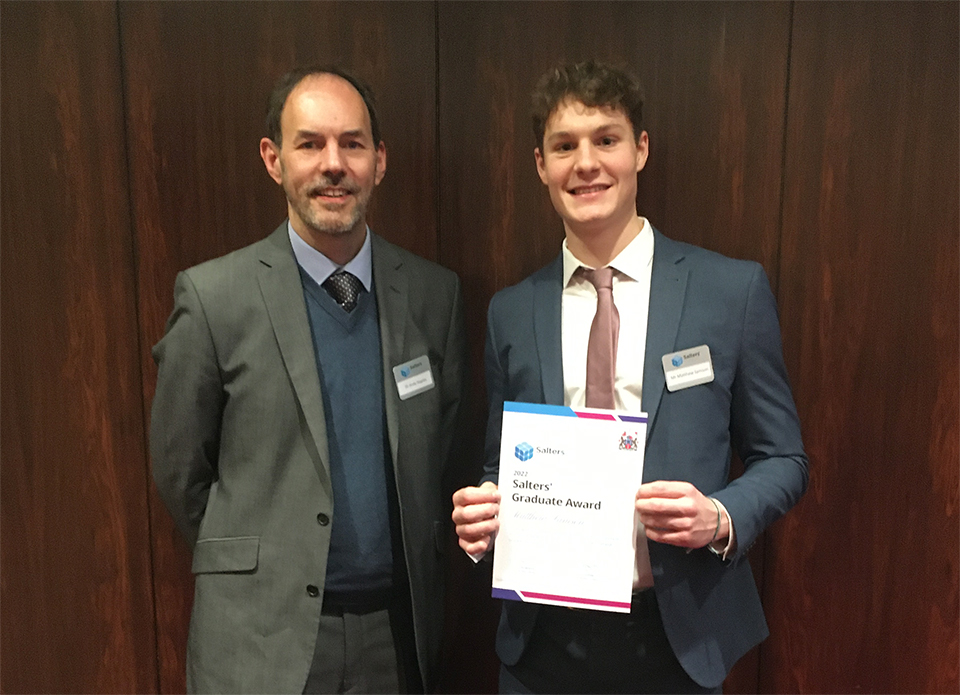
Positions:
(666, 524)
(664, 488)
(681, 539)
(475, 547)
(474, 495)
(475, 512)
(488, 492)
(667, 507)
(475, 532)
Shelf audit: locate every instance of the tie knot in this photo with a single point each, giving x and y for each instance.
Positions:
(344, 287)
(601, 278)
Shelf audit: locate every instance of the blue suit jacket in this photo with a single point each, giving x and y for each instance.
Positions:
(710, 607)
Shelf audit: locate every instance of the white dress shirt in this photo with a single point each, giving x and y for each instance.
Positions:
(631, 295)
(319, 267)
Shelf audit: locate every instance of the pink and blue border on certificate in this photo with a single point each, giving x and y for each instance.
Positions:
(555, 599)
(564, 411)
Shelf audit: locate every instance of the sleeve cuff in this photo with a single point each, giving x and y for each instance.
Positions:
(477, 557)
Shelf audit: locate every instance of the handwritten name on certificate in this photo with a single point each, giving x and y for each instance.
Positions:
(568, 484)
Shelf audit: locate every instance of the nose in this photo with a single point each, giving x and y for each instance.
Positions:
(586, 159)
(332, 162)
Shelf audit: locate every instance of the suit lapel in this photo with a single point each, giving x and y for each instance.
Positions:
(546, 325)
(282, 291)
(668, 283)
(391, 287)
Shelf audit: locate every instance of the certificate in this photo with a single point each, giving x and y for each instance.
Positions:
(568, 485)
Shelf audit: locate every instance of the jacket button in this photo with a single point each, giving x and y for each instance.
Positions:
(323, 519)
(312, 591)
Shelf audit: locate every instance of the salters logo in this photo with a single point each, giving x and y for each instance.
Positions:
(523, 451)
(677, 361)
(629, 442)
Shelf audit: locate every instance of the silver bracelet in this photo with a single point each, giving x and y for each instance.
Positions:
(716, 530)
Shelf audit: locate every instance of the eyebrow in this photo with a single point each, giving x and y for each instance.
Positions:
(606, 127)
(307, 134)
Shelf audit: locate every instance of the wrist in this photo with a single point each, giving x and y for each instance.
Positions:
(725, 542)
(716, 530)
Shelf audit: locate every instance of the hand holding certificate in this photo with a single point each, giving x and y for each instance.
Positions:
(568, 482)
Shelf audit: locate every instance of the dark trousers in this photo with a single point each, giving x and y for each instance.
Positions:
(580, 651)
(365, 647)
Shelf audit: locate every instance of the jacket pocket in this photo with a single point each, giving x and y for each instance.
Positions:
(238, 554)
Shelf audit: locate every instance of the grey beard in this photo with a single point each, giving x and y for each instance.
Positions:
(334, 229)
(331, 228)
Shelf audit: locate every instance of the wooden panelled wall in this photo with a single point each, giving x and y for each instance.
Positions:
(820, 139)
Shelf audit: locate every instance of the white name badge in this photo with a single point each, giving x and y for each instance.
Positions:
(690, 367)
(413, 377)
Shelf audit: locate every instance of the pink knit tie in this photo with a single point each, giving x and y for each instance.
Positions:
(602, 348)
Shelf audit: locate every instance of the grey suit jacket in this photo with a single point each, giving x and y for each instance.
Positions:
(710, 608)
(239, 449)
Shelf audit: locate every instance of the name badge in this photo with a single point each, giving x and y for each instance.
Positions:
(413, 377)
(690, 367)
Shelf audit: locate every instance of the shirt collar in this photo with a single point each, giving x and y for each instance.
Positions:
(319, 267)
(631, 261)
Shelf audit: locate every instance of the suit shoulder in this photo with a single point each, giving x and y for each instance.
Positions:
(429, 271)
(705, 257)
(708, 266)
(227, 264)
(522, 292)
(229, 279)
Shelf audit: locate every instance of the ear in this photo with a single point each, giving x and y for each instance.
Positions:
(541, 169)
(270, 154)
(643, 149)
(381, 163)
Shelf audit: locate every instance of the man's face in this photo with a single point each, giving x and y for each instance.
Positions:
(589, 163)
(328, 163)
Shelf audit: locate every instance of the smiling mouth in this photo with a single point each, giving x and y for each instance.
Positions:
(331, 193)
(587, 190)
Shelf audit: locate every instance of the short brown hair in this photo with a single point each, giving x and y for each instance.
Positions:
(286, 84)
(593, 83)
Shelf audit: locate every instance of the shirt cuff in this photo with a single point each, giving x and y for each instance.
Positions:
(477, 557)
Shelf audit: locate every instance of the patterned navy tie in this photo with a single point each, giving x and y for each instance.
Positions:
(344, 287)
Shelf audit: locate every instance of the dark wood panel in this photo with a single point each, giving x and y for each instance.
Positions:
(197, 77)
(862, 586)
(76, 593)
(715, 82)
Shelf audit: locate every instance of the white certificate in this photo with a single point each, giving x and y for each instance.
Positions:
(568, 485)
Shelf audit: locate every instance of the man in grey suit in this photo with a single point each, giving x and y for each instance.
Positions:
(651, 303)
(306, 406)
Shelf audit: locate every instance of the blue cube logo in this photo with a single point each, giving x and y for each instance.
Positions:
(677, 361)
(523, 451)
(404, 372)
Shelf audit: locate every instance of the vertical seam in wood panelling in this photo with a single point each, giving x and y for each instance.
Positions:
(778, 295)
(134, 259)
(436, 124)
(783, 148)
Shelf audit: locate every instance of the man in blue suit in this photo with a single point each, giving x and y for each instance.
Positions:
(695, 607)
